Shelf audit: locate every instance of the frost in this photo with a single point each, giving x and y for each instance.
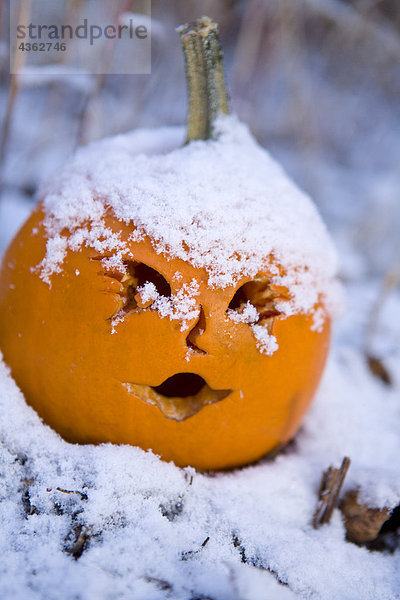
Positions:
(266, 343)
(224, 205)
(318, 319)
(147, 292)
(248, 314)
(181, 306)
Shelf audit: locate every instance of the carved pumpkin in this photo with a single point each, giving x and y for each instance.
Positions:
(128, 342)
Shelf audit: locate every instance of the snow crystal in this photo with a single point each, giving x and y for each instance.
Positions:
(148, 293)
(318, 319)
(221, 204)
(181, 306)
(248, 314)
(266, 342)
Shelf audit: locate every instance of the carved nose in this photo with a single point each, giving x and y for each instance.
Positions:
(193, 339)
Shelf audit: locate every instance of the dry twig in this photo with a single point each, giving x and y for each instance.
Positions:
(328, 495)
(375, 364)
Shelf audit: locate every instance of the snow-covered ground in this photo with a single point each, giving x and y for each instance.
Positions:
(108, 522)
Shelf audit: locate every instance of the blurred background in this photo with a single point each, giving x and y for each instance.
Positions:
(318, 82)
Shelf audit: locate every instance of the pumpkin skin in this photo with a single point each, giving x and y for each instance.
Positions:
(73, 371)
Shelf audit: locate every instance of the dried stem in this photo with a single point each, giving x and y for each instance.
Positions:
(375, 364)
(331, 484)
(204, 75)
(391, 279)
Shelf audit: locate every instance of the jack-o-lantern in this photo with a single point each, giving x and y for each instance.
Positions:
(172, 297)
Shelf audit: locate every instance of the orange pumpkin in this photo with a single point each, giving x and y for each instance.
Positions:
(92, 386)
(193, 387)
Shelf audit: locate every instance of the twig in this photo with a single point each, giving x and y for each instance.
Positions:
(77, 540)
(375, 364)
(331, 484)
(77, 492)
(390, 281)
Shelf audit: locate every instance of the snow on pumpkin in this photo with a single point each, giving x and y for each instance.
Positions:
(185, 295)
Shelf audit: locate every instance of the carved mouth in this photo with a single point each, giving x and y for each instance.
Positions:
(180, 396)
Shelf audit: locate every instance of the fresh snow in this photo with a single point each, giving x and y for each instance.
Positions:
(222, 204)
(266, 343)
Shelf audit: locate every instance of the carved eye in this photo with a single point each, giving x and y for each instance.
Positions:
(238, 299)
(134, 292)
(262, 296)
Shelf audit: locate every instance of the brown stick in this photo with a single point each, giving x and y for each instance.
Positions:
(328, 496)
(204, 76)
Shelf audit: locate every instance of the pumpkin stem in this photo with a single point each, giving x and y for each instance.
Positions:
(207, 93)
